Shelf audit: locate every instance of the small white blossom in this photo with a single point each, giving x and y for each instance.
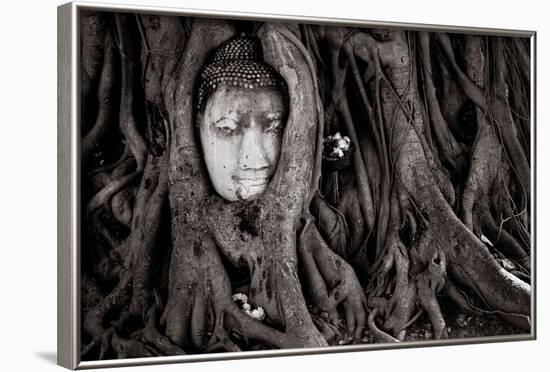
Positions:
(240, 296)
(337, 135)
(258, 313)
(337, 153)
(342, 144)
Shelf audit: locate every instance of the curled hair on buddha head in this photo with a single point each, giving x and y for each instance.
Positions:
(238, 62)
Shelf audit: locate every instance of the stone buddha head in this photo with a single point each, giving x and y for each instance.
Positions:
(241, 114)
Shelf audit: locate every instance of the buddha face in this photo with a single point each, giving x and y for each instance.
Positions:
(241, 131)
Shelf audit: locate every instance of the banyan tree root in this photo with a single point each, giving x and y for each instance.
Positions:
(133, 295)
(488, 156)
(95, 59)
(450, 150)
(105, 94)
(469, 260)
(331, 280)
(129, 52)
(499, 111)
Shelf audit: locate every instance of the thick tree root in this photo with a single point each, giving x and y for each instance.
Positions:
(331, 280)
(132, 296)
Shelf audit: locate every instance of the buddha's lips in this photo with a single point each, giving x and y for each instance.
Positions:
(251, 182)
(251, 187)
(251, 179)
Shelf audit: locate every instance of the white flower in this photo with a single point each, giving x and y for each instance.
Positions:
(337, 153)
(258, 313)
(337, 135)
(240, 296)
(343, 144)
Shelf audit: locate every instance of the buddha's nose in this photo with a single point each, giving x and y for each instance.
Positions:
(253, 155)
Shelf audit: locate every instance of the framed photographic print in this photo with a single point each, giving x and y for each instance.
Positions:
(237, 185)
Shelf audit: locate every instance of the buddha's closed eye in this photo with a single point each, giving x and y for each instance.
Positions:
(227, 126)
(274, 125)
(274, 122)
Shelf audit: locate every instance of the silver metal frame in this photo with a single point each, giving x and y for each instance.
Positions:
(68, 181)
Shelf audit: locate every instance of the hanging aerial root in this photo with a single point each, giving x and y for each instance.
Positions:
(504, 242)
(487, 160)
(470, 262)
(105, 98)
(94, 30)
(127, 114)
(451, 151)
(508, 217)
(498, 109)
(377, 127)
(339, 96)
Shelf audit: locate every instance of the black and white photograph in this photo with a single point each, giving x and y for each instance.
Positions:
(249, 185)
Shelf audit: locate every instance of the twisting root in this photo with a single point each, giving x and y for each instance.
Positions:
(342, 286)
(124, 156)
(380, 335)
(94, 319)
(127, 116)
(399, 308)
(152, 336)
(131, 296)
